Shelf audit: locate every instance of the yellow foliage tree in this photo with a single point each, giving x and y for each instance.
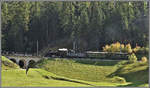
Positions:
(144, 59)
(117, 47)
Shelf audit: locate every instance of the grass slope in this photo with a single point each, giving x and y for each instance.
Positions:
(8, 64)
(137, 73)
(12, 76)
(42, 78)
(37, 77)
(73, 73)
(18, 78)
(78, 70)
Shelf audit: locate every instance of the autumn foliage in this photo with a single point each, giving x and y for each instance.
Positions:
(117, 47)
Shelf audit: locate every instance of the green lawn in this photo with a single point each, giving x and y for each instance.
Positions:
(79, 70)
(18, 78)
(64, 73)
(137, 73)
(8, 64)
(42, 78)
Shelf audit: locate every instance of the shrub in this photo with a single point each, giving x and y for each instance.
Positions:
(119, 79)
(122, 63)
(132, 58)
(143, 59)
(116, 47)
(106, 48)
(143, 50)
(122, 47)
(127, 48)
(137, 48)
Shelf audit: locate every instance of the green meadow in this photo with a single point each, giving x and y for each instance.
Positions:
(75, 73)
(76, 44)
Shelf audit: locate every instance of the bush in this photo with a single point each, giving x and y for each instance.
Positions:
(119, 79)
(132, 58)
(143, 50)
(122, 63)
(122, 47)
(116, 47)
(137, 48)
(144, 59)
(127, 49)
(106, 48)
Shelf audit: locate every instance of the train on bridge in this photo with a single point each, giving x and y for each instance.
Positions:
(68, 53)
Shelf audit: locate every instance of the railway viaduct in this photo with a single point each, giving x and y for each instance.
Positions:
(24, 61)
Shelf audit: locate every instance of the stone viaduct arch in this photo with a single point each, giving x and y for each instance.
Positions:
(23, 62)
(13, 60)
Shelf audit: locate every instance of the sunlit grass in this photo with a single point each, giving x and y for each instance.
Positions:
(35, 77)
(8, 64)
(18, 78)
(73, 73)
(75, 70)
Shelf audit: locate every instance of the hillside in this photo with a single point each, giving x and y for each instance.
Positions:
(82, 70)
(74, 73)
(35, 77)
(8, 64)
(137, 73)
(38, 77)
(99, 71)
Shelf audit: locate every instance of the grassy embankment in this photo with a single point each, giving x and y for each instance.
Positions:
(137, 73)
(13, 76)
(56, 72)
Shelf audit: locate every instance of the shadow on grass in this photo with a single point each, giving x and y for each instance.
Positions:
(133, 85)
(87, 62)
(137, 78)
(63, 79)
(97, 63)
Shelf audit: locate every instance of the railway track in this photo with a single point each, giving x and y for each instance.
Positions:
(89, 59)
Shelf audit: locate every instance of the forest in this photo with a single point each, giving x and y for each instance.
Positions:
(91, 25)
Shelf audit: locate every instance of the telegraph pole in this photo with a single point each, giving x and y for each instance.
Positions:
(37, 44)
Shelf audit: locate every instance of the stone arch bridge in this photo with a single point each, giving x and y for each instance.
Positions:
(24, 61)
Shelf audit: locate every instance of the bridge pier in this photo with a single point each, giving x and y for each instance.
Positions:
(17, 61)
(27, 63)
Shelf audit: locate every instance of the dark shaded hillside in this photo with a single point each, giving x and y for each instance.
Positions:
(137, 73)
